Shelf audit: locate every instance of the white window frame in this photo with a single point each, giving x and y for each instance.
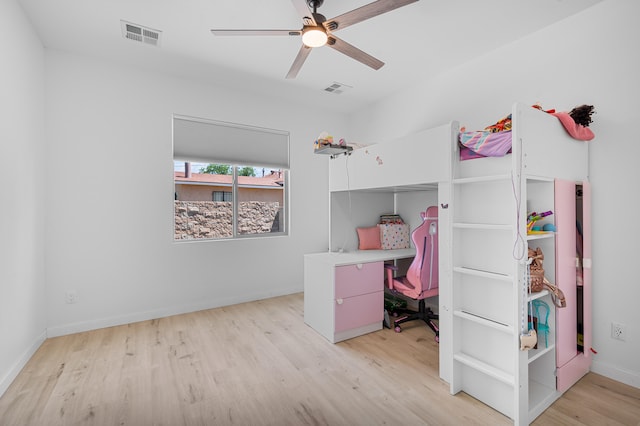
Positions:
(266, 148)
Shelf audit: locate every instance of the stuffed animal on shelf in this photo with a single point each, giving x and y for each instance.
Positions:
(323, 140)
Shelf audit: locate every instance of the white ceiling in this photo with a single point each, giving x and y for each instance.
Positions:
(416, 41)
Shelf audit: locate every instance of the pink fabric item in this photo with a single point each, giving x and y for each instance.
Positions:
(576, 131)
(484, 143)
(369, 238)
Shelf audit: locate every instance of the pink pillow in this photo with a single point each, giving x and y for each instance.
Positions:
(369, 238)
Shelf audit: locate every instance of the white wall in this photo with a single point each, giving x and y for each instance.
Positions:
(109, 144)
(590, 58)
(22, 278)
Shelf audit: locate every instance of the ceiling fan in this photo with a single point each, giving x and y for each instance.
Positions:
(318, 31)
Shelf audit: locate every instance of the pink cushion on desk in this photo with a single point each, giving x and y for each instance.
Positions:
(369, 238)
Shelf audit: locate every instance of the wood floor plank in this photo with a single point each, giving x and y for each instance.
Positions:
(259, 364)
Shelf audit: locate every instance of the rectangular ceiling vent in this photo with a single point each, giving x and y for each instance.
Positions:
(140, 34)
(337, 88)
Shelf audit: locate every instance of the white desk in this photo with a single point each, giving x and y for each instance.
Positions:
(344, 292)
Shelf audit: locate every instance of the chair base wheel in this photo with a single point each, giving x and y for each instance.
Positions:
(397, 329)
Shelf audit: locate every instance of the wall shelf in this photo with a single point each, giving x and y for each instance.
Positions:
(334, 150)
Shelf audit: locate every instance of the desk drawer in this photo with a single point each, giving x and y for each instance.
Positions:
(358, 311)
(363, 278)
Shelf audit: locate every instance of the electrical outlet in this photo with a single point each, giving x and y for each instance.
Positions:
(618, 331)
(71, 297)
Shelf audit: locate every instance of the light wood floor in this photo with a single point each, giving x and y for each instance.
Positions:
(259, 364)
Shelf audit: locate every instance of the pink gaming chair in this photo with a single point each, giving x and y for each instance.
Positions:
(421, 281)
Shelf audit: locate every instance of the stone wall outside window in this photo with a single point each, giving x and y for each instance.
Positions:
(213, 219)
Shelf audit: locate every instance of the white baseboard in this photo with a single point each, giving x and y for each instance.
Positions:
(631, 378)
(6, 381)
(78, 327)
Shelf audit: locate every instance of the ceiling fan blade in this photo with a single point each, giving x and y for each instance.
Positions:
(363, 13)
(297, 63)
(353, 52)
(256, 32)
(304, 12)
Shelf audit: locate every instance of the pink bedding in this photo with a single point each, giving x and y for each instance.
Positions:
(487, 143)
(480, 144)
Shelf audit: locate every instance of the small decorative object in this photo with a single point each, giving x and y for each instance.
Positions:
(557, 296)
(542, 314)
(323, 140)
(324, 145)
(528, 340)
(394, 236)
(536, 270)
(390, 218)
(549, 227)
(533, 218)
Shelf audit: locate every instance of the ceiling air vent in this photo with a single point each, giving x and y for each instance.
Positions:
(337, 88)
(140, 34)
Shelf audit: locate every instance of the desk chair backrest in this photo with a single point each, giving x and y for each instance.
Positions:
(423, 272)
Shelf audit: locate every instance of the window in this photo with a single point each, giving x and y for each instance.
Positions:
(222, 196)
(230, 181)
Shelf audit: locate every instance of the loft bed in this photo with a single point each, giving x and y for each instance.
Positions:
(541, 167)
(496, 140)
(478, 221)
(547, 139)
(403, 177)
(411, 161)
(400, 176)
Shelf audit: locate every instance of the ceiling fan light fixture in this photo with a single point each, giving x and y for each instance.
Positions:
(314, 36)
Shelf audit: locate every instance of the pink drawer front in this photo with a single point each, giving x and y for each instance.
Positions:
(358, 311)
(363, 278)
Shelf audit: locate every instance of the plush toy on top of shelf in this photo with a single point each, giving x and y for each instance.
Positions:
(325, 139)
(324, 145)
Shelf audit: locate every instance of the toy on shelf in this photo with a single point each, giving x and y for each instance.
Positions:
(325, 139)
(324, 145)
(542, 314)
(532, 218)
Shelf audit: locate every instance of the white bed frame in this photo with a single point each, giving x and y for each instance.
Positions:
(545, 148)
(475, 198)
(402, 176)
